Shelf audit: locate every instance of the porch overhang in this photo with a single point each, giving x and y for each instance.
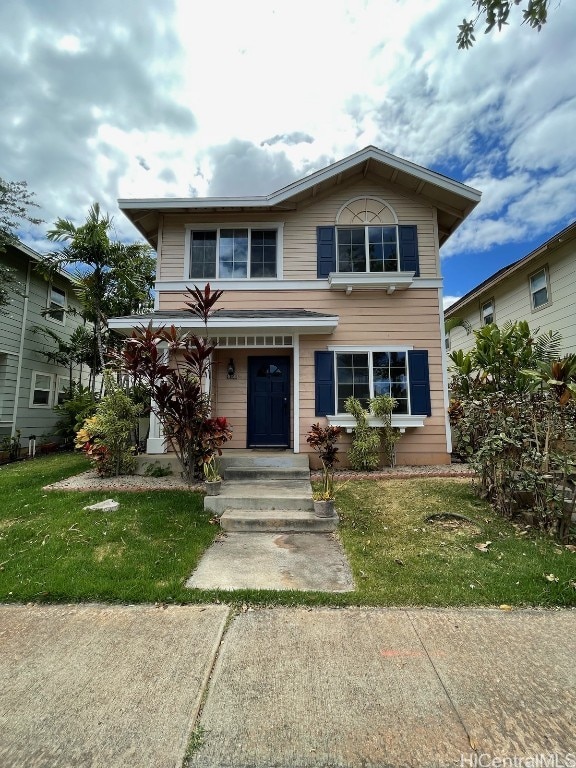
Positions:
(239, 321)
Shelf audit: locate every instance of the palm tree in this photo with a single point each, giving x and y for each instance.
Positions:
(103, 269)
(456, 322)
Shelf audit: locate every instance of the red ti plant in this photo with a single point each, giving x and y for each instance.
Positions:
(323, 441)
(177, 397)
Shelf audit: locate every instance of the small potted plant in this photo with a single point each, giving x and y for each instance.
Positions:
(323, 441)
(213, 480)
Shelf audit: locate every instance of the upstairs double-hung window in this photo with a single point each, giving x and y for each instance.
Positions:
(367, 249)
(233, 253)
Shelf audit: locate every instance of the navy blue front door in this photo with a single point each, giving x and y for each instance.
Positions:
(268, 402)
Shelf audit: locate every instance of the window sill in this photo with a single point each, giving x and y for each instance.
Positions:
(401, 421)
(389, 281)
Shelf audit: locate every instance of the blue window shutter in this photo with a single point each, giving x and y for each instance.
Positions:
(408, 237)
(325, 250)
(419, 374)
(324, 380)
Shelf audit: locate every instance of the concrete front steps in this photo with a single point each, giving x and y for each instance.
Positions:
(266, 491)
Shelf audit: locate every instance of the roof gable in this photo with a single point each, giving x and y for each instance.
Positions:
(453, 200)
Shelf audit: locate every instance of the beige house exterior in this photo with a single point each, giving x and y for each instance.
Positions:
(539, 288)
(332, 287)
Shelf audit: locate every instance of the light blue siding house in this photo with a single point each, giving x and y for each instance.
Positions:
(30, 385)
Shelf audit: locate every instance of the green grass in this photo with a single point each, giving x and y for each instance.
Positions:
(51, 550)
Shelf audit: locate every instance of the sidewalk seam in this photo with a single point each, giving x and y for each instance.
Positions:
(441, 681)
(205, 687)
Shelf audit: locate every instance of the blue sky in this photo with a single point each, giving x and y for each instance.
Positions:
(183, 98)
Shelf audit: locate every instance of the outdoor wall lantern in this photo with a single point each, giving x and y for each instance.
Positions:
(231, 370)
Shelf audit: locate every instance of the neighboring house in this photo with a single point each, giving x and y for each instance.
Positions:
(539, 288)
(332, 288)
(30, 385)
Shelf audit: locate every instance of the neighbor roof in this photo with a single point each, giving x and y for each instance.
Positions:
(560, 238)
(453, 199)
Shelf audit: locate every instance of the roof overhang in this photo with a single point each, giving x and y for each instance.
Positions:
(233, 325)
(556, 241)
(453, 200)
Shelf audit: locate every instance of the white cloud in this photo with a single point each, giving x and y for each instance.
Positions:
(139, 101)
(447, 301)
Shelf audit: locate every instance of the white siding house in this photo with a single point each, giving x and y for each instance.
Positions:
(539, 288)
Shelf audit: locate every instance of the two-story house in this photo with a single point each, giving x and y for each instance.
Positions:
(332, 288)
(30, 385)
(539, 288)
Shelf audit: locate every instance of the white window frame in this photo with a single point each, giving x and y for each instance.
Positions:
(63, 307)
(33, 388)
(447, 341)
(370, 351)
(366, 249)
(492, 304)
(63, 381)
(532, 292)
(276, 226)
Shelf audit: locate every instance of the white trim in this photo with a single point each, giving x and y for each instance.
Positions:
(33, 387)
(400, 421)
(371, 348)
(21, 348)
(221, 326)
(296, 393)
(64, 307)
(366, 281)
(446, 399)
(281, 285)
(365, 227)
(548, 301)
(367, 197)
(277, 226)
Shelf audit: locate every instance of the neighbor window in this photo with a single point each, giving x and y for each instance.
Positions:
(488, 312)
(364, 375)
(367, 249)
(56, 303)
(539, 292)
(41, 390)
(233, 253)
(62, 386)
(447, 341)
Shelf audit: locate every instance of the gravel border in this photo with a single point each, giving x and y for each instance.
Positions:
(89, 481)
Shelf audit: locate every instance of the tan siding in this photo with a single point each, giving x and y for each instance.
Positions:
(300, 229)
(366, 318)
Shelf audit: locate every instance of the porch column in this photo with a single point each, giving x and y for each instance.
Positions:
(156, 442)
(296, 369)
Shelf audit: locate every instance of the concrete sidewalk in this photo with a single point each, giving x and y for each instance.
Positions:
(351, 688)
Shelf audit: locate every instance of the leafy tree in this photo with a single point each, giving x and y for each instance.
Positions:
(76, 351)
(456, 322)
(495, 13)
(110, 276)
(15, 200)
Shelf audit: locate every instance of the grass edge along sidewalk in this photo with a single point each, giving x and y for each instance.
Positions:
(53, 551)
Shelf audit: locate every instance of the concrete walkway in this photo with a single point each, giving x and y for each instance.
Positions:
(94, 686)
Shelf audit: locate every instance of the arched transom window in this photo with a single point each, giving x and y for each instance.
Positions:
(367, 236)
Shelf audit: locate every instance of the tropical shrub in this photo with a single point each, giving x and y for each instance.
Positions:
(514, 419)
(323, 441)
(175, 387)
(78, 404)
(368, 442)
(107, 437)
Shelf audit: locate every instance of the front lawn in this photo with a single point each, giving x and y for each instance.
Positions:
(52, 550)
